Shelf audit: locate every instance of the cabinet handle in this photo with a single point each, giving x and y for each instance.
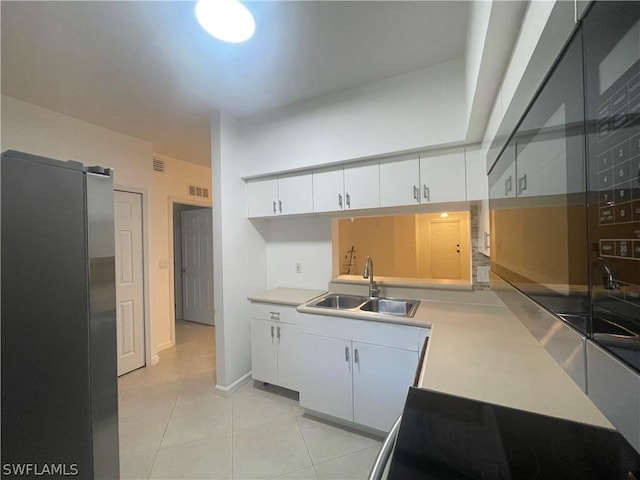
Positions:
(278, 334)
(280, 205)
(486, 240)
(274, 207)
(426, 192)
(416, 192)
(271, 333)
(340, 200)
(275, 315)
(346, 354)
(507, 186)
(356, 357)
(522, 184)
(348, 197)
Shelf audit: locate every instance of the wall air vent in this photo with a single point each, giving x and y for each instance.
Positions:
(158, 165)
(195, 191)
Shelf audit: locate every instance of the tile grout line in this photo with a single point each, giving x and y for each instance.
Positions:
(155, 457)
(347, 454)
(306, 445)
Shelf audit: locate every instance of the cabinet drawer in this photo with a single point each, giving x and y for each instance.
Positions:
(406, 337)
(274, 312)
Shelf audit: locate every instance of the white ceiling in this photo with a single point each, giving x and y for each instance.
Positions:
(146, 68)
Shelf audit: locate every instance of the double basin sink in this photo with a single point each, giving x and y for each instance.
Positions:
(355, 303)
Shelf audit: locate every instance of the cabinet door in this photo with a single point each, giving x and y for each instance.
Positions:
(443, 177)
(288, 355)
(325, 375)
(542, 157)
(381, 378)
(476, 174)
(262, 198)
(400, 182)
(362, 187)
(264, 356)
(328, 190)
(295, 194)
(503, 176)
(484, 228)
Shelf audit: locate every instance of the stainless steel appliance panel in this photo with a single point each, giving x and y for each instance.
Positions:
(102, 324)
(538, 197)
(59, 387)
(44, 311)
(615, 389)
(612, 85)
(563, 343)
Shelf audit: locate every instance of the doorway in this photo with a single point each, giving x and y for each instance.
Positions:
(443, 246)
(129, 281)
(193, 263)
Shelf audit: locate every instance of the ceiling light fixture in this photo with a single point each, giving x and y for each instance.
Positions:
(227, 20)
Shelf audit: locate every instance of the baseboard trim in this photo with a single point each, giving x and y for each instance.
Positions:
(164, 346)
(234, 387)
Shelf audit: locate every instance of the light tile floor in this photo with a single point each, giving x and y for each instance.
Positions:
(173, 425)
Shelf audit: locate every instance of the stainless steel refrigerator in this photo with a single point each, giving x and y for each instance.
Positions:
(59, 398)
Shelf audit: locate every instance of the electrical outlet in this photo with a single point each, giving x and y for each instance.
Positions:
(298, 267)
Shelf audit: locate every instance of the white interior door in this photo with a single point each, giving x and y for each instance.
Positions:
(197, 266)
(129, 281)
(445, 250)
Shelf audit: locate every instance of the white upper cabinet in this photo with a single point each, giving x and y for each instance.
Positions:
(477, 180)
(287, 195)
(362, 186)
(328, 190)
(442, 177)
(430, 178)
(400, 182)
(348, 188)
(295, 194)
(262, 198)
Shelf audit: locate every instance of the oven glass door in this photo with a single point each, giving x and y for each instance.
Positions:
(538, 198)
(612, 83)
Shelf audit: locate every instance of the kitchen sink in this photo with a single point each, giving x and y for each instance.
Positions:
(338, 301)
(389, 306)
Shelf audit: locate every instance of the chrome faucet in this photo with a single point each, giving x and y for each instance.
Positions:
(609, 282)
(368, 273)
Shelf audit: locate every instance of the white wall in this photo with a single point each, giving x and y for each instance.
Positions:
(492, 31)
(406, 112)
(167, 188)
(28, 128)
(239, 253)
(545, 29)
(306, 240)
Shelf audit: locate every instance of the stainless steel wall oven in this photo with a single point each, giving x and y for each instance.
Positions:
(612, 87)
(565, 191)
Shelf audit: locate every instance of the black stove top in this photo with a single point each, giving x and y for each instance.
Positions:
(447, 437)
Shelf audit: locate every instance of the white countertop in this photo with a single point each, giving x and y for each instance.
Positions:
(478, 349)
(485, 353)
(286, 296)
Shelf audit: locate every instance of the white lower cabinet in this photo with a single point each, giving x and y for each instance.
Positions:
(264, 351)
(361, 382)
(274, 346)
(326, 380)
(381, 378)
